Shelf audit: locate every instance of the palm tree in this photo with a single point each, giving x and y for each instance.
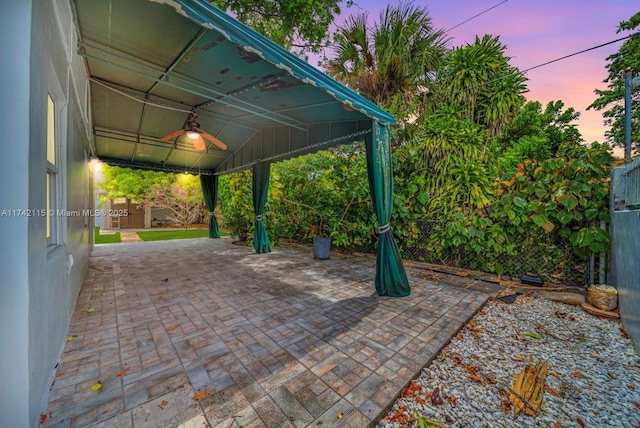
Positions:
(393, 60)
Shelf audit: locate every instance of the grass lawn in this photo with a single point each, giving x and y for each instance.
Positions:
(106, 239)
(163, 235)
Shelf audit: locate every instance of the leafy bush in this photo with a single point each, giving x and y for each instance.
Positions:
(238, 215)
(545, 210)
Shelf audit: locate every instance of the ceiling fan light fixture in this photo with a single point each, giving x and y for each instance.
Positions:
(193, 135)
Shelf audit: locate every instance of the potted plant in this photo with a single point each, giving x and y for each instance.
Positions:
(239, 224)
(320, 231)
(322, 239)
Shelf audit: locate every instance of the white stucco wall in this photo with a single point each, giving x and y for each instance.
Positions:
(40, 283)
(15, 26)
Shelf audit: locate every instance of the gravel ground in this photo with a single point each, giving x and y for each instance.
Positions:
(593, 377)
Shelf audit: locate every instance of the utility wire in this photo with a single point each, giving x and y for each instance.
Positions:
(475, 16)
(578, 53)
(547, 63)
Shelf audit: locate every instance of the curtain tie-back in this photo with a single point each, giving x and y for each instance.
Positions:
(384, 229)
(211, 213)
(259, 217)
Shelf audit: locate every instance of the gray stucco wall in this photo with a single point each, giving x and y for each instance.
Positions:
(40, 283)
(625, 256)
(15, 20)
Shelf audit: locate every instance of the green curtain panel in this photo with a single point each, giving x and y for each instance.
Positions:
(391, 277)
(260, 187)
(209, 184)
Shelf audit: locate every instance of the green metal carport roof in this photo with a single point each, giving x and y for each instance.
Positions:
(152, 62)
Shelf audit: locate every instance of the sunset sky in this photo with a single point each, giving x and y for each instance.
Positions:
(537, 31)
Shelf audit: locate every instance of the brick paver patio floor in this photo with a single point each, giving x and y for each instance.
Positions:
(269, 340)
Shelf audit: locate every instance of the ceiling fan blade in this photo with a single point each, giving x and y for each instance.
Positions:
(172, 135)
(213, 139)
(199, 144)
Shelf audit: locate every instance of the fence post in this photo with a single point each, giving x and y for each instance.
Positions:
(601, 263)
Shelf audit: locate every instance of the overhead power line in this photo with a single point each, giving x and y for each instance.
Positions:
(578, 53)
(548, 62)
(475, 16)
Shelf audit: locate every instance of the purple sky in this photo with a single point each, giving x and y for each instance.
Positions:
(536, 31)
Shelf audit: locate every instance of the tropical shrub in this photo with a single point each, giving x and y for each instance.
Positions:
(236, 205)
(565, 198)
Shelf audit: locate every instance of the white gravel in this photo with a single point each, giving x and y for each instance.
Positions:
(593, 371)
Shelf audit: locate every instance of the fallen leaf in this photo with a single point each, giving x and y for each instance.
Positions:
(91, 310)
(443, 357)
(482, 312)
(457, 360)
(68, 338)
(122, 372)
(96, 386)
(490, 380)
(472, 369)
(578, 375)
(436, 400)
(339, 415)
(582, 339)
(534, 335)
(631, 386)
(475, 377)
(611, 376)
(580, 422)
(163, 403)
(472, 323)
(411, 390)
(425, 422)
(402, 419)
(173, 327)
(506, 406)
(551, 391)
(557, 425)
(43, 418)
(199, 396)
(165, 280)
(638, 405)
(554, 374)
(420, 401)
(453, 400)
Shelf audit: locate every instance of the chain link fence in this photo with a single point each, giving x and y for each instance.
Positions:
(535, 254)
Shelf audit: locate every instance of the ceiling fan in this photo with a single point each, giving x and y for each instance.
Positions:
(195, 134)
